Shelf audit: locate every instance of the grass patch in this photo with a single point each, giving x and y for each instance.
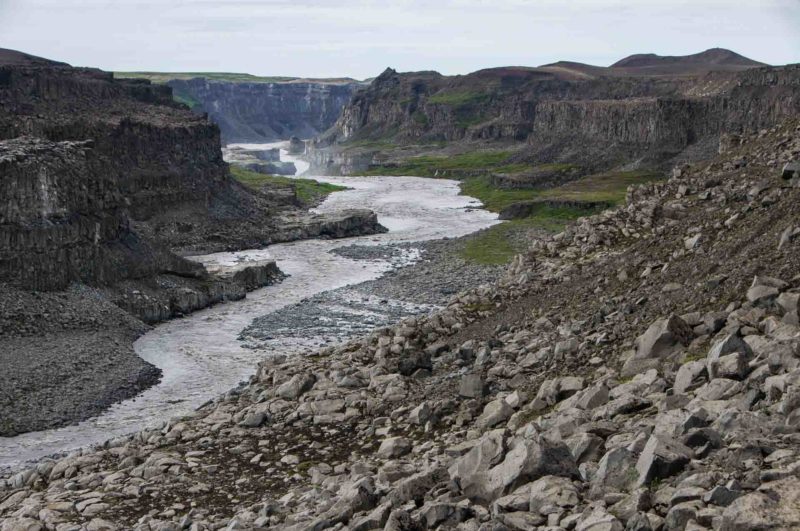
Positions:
(458, 98)
(186, 99)
(498, 244)
(420, 117)
(601, 188)
(308, 190)
(493, 198)
(429, 165)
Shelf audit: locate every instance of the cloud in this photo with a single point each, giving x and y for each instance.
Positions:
(361, 37)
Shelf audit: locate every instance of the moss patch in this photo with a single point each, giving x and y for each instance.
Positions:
(308, 191)
(607, 188)
(458, 98)
(431, 165)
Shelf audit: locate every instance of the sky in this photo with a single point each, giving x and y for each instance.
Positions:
(360, 38)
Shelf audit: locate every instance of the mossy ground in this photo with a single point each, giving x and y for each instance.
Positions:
(499, 244)
(308, 191)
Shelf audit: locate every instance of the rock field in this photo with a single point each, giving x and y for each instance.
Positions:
(638, 371)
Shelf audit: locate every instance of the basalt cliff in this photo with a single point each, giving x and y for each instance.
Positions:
(105, 184)
(267, 111)
(644, 110)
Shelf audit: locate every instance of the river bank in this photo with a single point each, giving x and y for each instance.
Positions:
(201, 357)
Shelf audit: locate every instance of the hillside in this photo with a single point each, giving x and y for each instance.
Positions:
(634, 371)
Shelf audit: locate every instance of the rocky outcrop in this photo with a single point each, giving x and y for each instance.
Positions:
(102, 181)
(266, 112)
(595, 118)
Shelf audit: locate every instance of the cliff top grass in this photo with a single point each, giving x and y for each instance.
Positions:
(234, 77)
(308, 191)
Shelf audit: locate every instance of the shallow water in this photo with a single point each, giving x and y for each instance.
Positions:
(200, 355)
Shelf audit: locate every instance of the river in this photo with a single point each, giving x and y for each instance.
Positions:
(200, 355)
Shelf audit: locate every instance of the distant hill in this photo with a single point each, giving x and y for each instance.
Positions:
(15, 58)
(715, 57)
(713, 60)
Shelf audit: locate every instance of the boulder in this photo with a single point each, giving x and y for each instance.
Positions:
(776, 505)
(791, 170)
(472, 385)
(529, 457)
(663, 338)
(662, 457)
(550, 491)
(394, 447)
(296, 386)
(494, 413)
(728, 358)
(688, 376)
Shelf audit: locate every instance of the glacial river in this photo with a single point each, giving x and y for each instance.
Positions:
(200, 355)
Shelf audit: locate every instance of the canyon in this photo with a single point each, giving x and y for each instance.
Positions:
(260, 109)
(622, 355)
(107, 185)
(644, 111)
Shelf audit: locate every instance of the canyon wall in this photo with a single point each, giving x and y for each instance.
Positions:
(558, 115)
(266, 112)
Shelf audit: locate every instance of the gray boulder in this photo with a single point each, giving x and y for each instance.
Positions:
(728, 358)
(662, 457)
(664, 337)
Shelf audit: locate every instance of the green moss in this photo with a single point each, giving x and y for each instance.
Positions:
(308, 190)
(609, 188)
(420, 117)
(479, 307)
(430, 165)
(493, 198)
(602, 187)
(458, 98)
(186, 99)
(305, 466)
(498, 244)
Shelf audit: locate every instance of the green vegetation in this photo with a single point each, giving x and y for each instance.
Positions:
(308, 191)
(493, 198)
(186, 99)
(601, 188)
(163, 77)
(500, 243)
(458, 98)
(429, 165)
(420, 117)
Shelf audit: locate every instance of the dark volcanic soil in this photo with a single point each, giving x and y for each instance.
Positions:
(65, 356)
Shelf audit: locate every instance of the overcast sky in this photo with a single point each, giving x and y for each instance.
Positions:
(359, 38)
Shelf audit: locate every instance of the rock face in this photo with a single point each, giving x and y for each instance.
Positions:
(101, 182)
(105, 175)
(574, 113)
(266, 112)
